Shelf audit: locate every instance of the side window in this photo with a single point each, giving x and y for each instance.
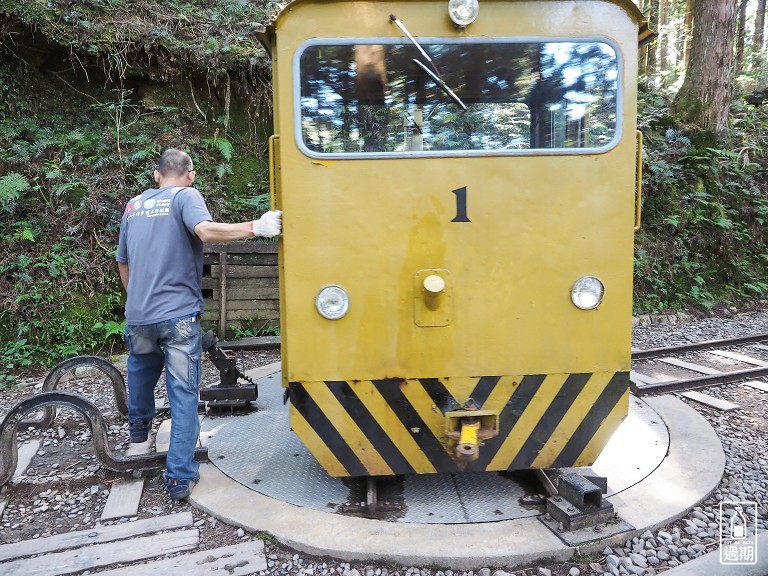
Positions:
(361, 98)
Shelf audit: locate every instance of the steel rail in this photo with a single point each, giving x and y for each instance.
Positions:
(656, 352)
(57, 373)
(698, 381)
(9, 456)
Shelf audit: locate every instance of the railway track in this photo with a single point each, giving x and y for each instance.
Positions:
(700, 365)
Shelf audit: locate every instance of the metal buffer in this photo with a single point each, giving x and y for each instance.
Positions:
(227, 393)
(579, 502)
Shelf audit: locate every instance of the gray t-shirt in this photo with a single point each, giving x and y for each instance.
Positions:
(164, 255)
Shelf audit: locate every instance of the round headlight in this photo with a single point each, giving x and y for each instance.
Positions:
(587, 293)
(332, 302)
(463, 12)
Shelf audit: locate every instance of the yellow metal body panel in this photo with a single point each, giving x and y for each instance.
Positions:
(537, 224)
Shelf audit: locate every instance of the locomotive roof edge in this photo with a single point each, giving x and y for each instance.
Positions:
(644, 34)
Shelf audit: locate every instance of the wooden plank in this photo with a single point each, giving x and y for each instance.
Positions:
(124, 498)
(763, 386)
(245, 305)
(136, 448)
(25, 454)
(251, 343)
(246, 271)
(236, 560)
(740, 357)
(263, 315)
(98, 555)
(640, 379)
(250, 293)
(97, 535)
(723, 405)
(251, 315)
(261, 282)
(242, 259)
(163, 437)
(243, 247)
(690, 366)
(262, 371)
(760, 346)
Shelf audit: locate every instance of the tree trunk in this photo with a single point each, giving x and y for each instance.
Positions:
(757, 39)
(651, 49)
(664, 34)
(705, 95)
(740, 32)
(688, 32)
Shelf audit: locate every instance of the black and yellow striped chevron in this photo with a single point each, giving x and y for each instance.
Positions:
(397, 426)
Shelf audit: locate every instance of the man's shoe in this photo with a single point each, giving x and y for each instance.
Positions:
(139, 431)
(180, 489)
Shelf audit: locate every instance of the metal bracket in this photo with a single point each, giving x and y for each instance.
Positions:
(579, 503)
(227, 393)
(9, 456)
(577, 513)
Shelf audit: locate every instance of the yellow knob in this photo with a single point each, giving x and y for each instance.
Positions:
(434, 284)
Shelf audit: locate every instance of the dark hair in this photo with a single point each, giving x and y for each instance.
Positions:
(174, 162)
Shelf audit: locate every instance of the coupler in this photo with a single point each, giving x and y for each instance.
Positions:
(470, 427)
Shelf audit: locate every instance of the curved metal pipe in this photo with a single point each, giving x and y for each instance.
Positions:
(8, 431)
(58, 372)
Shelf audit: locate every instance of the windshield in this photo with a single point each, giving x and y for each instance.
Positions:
(380, 98)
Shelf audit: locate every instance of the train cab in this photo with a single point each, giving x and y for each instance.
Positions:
(459, 181)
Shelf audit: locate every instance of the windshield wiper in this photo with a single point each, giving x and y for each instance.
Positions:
(434, 74)
(442, 85)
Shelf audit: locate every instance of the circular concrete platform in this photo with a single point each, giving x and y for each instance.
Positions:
(663, 460)
(259, 451)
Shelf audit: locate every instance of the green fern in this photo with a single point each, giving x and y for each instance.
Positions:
(103, 161)
(21, 152)
(74, 136)
(139, 156)
(222, 170)
(11, 187)
(25, 233)
(223, 145)
(46, 137)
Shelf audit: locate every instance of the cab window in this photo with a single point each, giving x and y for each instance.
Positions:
(358, 98)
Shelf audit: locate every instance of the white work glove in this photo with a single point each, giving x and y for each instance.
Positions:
(270, 224)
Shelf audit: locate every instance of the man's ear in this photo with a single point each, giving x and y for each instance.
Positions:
(156, 175)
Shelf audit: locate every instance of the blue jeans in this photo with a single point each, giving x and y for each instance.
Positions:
(175, 344)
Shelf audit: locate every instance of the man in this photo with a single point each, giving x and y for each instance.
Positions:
(160, 259)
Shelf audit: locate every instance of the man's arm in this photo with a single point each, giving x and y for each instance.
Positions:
(122, 267)
(269, 224)
(209, 231)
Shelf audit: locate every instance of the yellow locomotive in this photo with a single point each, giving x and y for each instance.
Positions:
(460, 187)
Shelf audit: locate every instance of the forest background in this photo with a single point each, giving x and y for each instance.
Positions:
(91, 91)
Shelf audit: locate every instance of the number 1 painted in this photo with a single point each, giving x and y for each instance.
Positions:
(461, 205)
